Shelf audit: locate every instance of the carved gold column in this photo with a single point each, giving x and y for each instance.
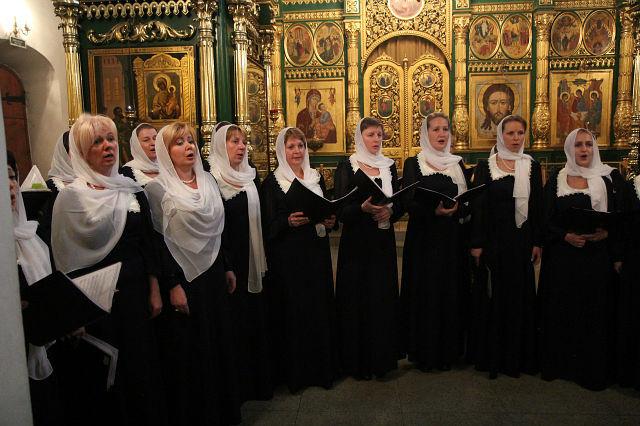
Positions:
(624, 109)
(69, 11)
(239, 11)
(267, 38)
(353, 92)
(460, 108)
(634, 141)
(276, 112)
(206, 15)
(540, 122)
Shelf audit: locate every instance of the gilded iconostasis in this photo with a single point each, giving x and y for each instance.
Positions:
(321, 65)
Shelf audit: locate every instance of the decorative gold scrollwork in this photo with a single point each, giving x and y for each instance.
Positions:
(143, 32)
(385, 103)
(427, 90)
(140, 9)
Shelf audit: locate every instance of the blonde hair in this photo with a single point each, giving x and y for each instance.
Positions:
(175, 130)
(435, 115)
(86, 128)
(234, 128)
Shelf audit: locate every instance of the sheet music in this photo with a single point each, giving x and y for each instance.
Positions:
(100, 285)
(109, 351)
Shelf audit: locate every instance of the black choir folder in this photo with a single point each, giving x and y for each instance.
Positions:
(448, 202)
(58, 305)
(371, 189)
(314, 206)
(586, 221)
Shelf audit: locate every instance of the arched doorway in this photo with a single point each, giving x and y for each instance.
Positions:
(15, 119)
(405, 79)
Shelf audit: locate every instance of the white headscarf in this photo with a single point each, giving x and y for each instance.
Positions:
(242, 180)
(33, 258)
(521, 186)
(377, 160)
(191, 220)
(285, 175)
(443, 160)
(61, 163)
(88, 223)
(593, 173)
(140, 160)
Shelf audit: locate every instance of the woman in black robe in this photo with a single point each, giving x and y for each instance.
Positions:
(144, 167)
(367, 276)
(196, 325)
(576, 284)
(435, 257)
(628, 337)
(238, 183)
(100, 219)
(505, 241)
(299, 284)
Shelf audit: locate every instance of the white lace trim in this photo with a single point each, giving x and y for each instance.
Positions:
(140, 177)
(227, 190)
(58, 183)
(563, 188)
(385, 172)
(636, 185)
(497, 173)
(427, 170)
(134, 205)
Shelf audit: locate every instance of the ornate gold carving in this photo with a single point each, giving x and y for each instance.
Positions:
(307, 73)
(545, 2)
(258, 117)
(317, 15)
(435, 93)
(584, 4)
(462, 4)
(69, 11)
(353, 93)
(206, 18)
(275, 108)
(137, 9)
(540, 122)
(307, 1)
(460, 109)
(498, 66)
(624, 110)
(352, 6)
(142, 32)
(502, 7)
(241, 11)
(584, 63)
(432, 23)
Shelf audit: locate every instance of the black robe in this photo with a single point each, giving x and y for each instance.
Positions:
(366, 284)
(248, 309)
(503, 335)
(137, 396)
(577, 293)
(299, 292)
(435, 273)
(629, 299)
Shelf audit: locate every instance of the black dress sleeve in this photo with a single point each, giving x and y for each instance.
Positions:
(149, 250)
(536, 203)
(127, 171)
(351, 212)
(464, 210)
(274, 211)
(480, 206)
(44, 218)
(616, 202)
(552, 231)
(398, 207)
(411, 175)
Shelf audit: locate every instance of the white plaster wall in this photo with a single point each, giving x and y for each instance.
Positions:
(41, 68)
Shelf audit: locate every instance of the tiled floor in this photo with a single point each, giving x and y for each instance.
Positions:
(458, 397)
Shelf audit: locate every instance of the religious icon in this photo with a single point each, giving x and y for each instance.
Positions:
(385, 107)
(493, 97)
(321, 113)
(427, 79)
(405, 9)
(165, 102)
(484, 37)
(516, 36)
(426, 105)
(565, 33)
(385, 80)
(579, 99)
(329, 43)
(254, 113)
(599, 32)
(387, 132)
(298, 44)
